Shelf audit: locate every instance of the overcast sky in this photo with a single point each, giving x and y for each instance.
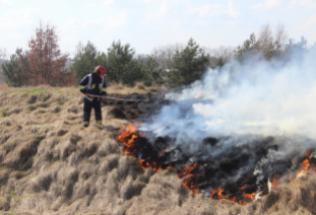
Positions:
(149, 24)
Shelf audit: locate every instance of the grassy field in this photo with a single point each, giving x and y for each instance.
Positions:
(50, 164)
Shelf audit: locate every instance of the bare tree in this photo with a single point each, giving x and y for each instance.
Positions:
(47, 64)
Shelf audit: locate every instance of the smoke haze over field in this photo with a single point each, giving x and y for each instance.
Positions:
(255, 97)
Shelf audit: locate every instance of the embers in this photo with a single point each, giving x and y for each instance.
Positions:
(236, 171)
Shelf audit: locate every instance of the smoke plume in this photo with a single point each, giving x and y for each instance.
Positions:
(240, 127)
(252, 97)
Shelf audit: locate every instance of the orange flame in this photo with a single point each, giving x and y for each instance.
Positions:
(188, 170)
(217, 193)
(126, 132)
(250, 196)
(187, 174)
(127, 137)
(305, 164)
(130, 137)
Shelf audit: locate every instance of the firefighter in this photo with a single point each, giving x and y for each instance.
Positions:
(93, 88)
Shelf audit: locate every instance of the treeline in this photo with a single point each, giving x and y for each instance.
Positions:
(43, 62)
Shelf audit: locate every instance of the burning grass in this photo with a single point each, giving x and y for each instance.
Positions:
(54, 166)
(238, 173)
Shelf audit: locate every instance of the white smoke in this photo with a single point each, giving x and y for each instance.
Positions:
(255, 97)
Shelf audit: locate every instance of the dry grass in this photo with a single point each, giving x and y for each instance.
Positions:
(50, 164)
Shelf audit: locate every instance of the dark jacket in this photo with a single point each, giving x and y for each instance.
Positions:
(93, 84)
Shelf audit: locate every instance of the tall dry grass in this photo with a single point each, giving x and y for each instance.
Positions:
(50, 164)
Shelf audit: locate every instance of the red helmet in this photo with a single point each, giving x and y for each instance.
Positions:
(101, 70)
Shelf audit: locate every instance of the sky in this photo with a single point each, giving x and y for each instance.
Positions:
(151, 24)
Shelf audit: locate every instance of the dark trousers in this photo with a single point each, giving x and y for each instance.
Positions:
(87, 107)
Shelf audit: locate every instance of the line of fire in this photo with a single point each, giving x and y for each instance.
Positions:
(241, 173)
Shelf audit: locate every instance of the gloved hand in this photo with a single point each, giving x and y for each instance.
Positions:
(88, 91)
(83, 90)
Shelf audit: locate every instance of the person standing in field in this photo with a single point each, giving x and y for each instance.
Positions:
(93, 84)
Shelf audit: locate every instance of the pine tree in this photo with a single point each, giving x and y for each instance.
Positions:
(16, 69)
(123, 68)
(189, 65)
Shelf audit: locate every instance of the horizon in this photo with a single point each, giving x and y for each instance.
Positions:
(151, 24)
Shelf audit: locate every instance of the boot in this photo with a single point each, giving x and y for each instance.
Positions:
(85, 124)
(99, 124)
